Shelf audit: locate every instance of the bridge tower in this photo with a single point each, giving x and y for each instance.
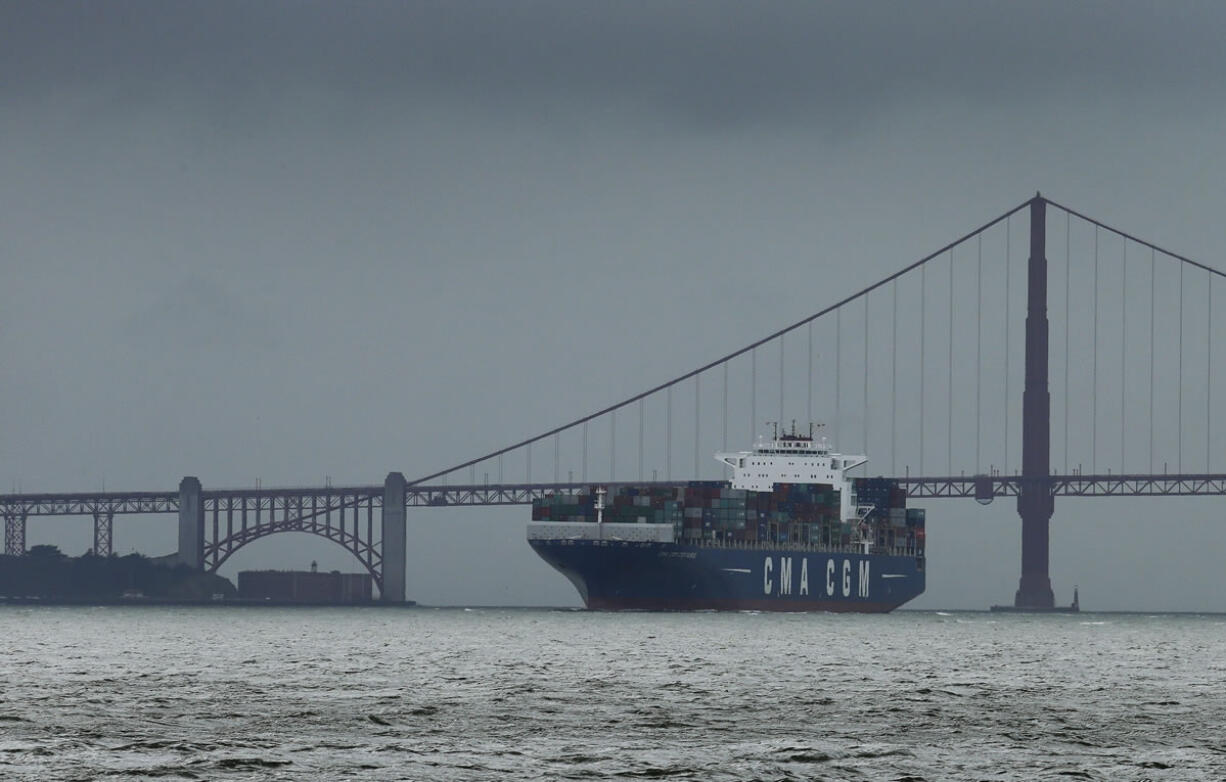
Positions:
(1035, 502)
(191, 523)
(394, 538)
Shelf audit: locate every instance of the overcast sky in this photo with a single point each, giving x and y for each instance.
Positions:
(290, 241)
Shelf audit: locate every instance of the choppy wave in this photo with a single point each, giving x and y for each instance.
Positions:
(148, 693)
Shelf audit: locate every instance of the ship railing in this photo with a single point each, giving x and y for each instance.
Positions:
(761, 545)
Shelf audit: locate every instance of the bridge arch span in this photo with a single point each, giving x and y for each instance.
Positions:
(366, 554)
(347, 521)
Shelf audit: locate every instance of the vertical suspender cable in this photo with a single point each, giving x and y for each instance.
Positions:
(668, 423)
(1094, 371)
(1152, 281)
(894, 380)
(949, 455)
(781, 338)
(613, 446)
(864, 423)
(1209, 376)
(724, 440)
(978, 341)
(1068, 262)
(582, 466)
(697, 423)
(1005, 412)
(1123, 354)
(838, 360)
(753, 393)
(528, 468)
(642, 429)
(1179, 441)
(923, 296)
(500, 466)
(809, 397)
(724, 437)
(557, 471)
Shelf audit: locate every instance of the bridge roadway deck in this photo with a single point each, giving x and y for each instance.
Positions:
(938, 487)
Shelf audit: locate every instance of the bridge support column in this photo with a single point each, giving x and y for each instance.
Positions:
(103, 524)
(394, 538)
(15, 535)
(191, 523)
(1034, 501)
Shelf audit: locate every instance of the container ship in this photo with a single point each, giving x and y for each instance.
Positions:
(791, 531)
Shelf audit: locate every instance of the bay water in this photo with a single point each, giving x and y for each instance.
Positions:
(477, 694)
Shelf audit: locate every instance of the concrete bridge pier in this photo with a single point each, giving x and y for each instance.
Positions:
(15, 534)
(394, 539)
(191, 523)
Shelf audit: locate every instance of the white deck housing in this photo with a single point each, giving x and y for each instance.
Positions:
(794, 459)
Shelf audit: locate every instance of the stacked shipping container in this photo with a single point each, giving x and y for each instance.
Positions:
(892, 522)
(793, 514)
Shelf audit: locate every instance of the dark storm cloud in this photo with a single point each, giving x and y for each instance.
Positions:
(708, 64)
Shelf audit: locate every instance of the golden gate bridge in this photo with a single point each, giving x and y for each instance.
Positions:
(920, 369)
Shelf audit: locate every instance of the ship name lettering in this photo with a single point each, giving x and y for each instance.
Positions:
(767, 567)
(804, 576)
(829, 577)
(864, 578)
(785, 575)
(847, 578)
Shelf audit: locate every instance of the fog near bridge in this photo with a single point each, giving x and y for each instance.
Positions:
(298, 242)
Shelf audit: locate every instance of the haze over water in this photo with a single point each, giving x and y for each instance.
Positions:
(455, 694)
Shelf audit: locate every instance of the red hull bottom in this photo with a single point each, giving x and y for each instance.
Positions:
(808, 606)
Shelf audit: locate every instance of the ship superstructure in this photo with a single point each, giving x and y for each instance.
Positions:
(794, 458)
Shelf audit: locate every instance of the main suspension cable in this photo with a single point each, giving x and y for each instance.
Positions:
(712, 364)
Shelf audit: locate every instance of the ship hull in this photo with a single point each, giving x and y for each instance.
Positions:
(614, 575)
